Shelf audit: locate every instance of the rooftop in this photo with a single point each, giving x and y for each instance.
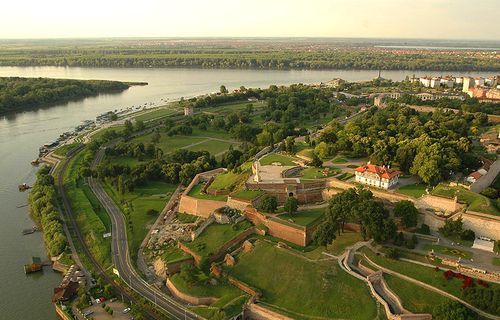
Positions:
(381, 171)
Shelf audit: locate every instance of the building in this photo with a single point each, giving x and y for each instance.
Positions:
(479, 81)
(435, 82)
(426, 82)
(424, 96)
(467, 84)
(377, 176)
(447, 82)
(188, 111)
(473, 177)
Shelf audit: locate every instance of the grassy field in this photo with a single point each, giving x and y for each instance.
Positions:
(126, 161)
(173, 254)
(339, 159)
(195, 192)
(215, 147)
(153, 195)
(476, 202)
(89, 222)
(319, 173)
(413, 190)
(159, 113)
(227, 181)
(304, 218)
(63, 150)
(303, 288)
(277, 158)
(247, 194)
(414, 298)
(449, 251)
(214, 236)
(344, 240)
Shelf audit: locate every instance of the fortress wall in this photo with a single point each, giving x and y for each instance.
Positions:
(187, 298)
(199, 207)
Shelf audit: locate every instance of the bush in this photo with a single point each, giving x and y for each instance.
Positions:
(424, 229)
(268, 203)
(152, 212)
(468, 235)
(452, 227)
(393, 253)
(412, 242)
(490, 193)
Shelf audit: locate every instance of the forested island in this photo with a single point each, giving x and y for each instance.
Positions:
(277, 54)
(25, 93)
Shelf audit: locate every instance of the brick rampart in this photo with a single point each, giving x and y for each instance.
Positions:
(187, 298)
(239, 238)
(199, 207)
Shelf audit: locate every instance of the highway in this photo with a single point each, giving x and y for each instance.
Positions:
(121, 256)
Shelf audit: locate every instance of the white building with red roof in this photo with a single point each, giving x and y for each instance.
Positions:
(377, 176)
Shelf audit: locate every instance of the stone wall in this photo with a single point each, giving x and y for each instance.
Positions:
(239, 238)
(277, 229)
(243, 287)
(305, 192)
(199, 207)
(257, 312)
(441, 203)
(187, 298)
(482, 224)
(239, 204)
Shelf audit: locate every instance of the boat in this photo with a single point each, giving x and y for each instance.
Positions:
(29, 231)
(35, 162)
(34, 266)
(23, 187)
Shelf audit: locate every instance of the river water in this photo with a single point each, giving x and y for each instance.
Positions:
(28, 297)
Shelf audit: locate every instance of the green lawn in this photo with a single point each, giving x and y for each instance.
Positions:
(496, 261)
(173, 254)
(214, 236)
(339, 159)
(304, 218)
(303, 288)
(153, 195)
(124, 160)
(91, 224)
(449, 251)
(345, 176)
(319, 173)
(227, 181)
(277, 158)
(63, 150)
(413, 190)
(186, 218)
(247, 194)
(159, 113)
(344, 240)
(476, 202)
(195, 192)
(215, 147)
(414, 298)
(425, 274)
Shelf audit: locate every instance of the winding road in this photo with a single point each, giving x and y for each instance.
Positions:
(121, 256)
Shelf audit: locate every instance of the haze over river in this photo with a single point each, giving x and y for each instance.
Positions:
(21, 134)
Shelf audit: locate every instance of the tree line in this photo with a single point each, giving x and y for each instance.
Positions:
(272, 58)
(42, 200)
(22, 93)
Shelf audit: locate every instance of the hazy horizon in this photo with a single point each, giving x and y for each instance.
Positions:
(390, 19)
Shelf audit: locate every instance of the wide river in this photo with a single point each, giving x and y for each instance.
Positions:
(28, 297)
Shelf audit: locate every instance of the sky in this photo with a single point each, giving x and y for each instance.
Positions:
(436, 19)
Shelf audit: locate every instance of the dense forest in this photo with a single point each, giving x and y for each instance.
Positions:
(430, 145)
(368, 58)
(22, 93)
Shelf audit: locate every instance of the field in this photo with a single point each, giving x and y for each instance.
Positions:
(449, 251)
(413, 190)
(344, 240)
(195, 192)
(214, 236)
(159, 113)
(227, 181)
(302, 288)
(92, 225)
(153, 195)
(414, 298)
(277, 158)
(304, 218)
(319, 173)
(173, 254)
(476, 202)
(65, 149)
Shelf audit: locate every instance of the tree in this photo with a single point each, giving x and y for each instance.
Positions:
(452, 227)
(155, 138)
(268, 203)
(291, 205)
(289, 144)
(468, 235)
(129, 128)
(188, 273)
(325, 234)
(316, 161)
(322, 150)
(407, 211)
(139, 125)
(452, 310)
(223, 89)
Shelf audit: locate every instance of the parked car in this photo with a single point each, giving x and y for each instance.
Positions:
(126, 310)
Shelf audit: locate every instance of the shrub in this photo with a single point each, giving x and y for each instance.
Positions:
(393, 253)
(467, 235)
(268, 203)
(424, 229)
(152, 212)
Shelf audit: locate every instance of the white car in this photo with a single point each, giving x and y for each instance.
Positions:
(126, 310)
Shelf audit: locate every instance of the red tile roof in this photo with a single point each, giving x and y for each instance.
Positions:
(382, 172)
(476, 175)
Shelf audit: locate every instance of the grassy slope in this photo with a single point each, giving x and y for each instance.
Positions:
(274, 157)
(303, 287)
(195, 192)
(476, 202)
(227, 181)
(413, 190)
(304, 218)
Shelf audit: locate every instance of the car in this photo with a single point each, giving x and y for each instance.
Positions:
(126, 310)
(88, 313)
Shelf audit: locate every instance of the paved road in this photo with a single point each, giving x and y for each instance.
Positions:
(122, 261)
(86, 251)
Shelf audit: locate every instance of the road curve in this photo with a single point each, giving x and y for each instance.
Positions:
(121, 256)
(72, 219)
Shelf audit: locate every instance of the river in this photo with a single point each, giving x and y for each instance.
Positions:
(28, 297)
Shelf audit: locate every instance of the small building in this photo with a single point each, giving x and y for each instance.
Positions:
(424, 96)
(473, 177)
(377, 176)
(65, 292)
(425, 81)
(435, 82)
(253, 99)
(447, 82)
(467, 84)
(35, 265)
(188, 111)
